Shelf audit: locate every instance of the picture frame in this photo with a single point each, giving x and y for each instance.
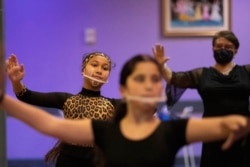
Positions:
(195, 18)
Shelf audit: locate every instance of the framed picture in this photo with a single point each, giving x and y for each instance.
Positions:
(195, 17)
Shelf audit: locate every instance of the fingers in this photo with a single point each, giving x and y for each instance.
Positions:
(235, 123)
(166, 59)
(12, 61)
(22, 68)
(229, 141)
(158, 50)
(14, 70)
(159, 54)
(234, 136)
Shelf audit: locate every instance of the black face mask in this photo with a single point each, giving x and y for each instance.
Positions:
(223, 56)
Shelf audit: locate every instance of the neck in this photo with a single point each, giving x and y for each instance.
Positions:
(93, 88)
(229, 65)
(224, 69)
(139, 115)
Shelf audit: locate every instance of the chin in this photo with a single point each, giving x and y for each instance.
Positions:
(97, 85)
(149, 106)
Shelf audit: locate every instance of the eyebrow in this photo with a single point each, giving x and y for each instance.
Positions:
(96, 61)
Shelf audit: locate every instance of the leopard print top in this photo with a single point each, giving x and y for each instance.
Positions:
(85, 104)
(81, 106)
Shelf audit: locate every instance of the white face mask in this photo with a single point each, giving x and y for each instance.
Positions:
(95, 81)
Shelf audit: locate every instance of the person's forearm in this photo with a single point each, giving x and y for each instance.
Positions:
(28, 114)
(68, 130)
(167, 73)
(217, 128)
(18, 87)
(205, 130)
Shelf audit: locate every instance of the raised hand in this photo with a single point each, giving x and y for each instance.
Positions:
(15, 71)
(159, 55)
(158, 52)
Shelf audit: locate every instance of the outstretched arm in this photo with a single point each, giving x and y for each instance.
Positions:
(231, 128)
(72, 131)
(15, 72)
(159, 55)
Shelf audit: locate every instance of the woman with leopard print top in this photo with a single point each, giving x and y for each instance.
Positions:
(88, 103)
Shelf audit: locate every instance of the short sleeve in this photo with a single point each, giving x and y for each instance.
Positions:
(99, 129)
(177, 130)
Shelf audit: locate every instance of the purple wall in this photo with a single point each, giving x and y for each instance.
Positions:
(48, 37)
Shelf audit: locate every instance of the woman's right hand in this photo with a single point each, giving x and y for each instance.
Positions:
(15, 71)
(159, 54)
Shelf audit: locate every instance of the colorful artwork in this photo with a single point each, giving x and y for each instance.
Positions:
(195, 17)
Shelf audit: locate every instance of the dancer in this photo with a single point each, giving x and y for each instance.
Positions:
(134, 128)
(224, 89)
(96, 68)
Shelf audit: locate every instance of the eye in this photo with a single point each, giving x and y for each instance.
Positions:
(139, 78)
(226, 46)
(229, 47)
(156, 78)
(94, 64)
(106, 68)
(218, 46)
